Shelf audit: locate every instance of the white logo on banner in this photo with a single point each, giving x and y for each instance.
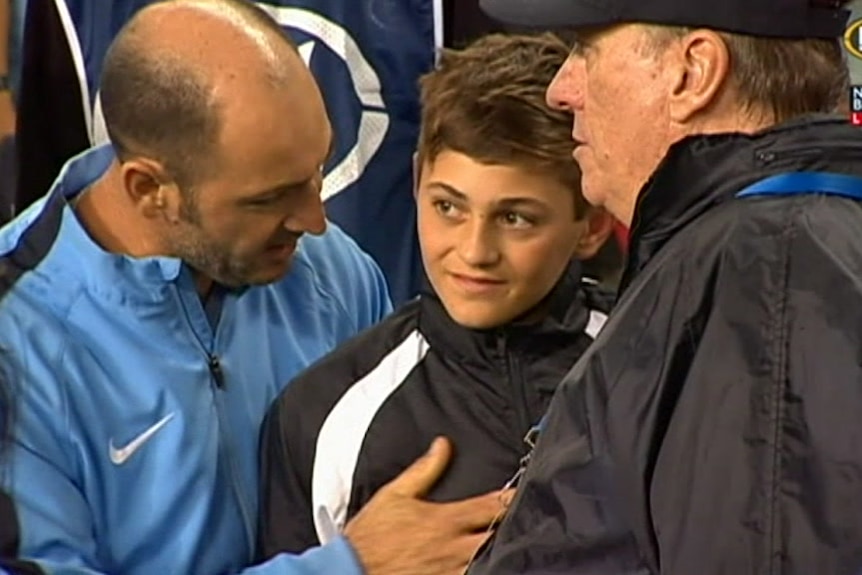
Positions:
(366, 84)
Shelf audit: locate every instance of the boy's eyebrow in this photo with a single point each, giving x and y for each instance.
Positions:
(448, 189)
(513, 202)
(503, 203)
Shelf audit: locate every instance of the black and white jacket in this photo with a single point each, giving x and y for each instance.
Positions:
(356, 419)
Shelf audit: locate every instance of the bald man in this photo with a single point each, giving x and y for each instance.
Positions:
(157, 299)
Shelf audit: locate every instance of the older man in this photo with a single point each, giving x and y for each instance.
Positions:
(714, 427)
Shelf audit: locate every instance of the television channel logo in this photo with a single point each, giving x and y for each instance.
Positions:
(856, 105)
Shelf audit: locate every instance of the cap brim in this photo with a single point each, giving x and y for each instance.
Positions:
(545, 13)
(820, 22)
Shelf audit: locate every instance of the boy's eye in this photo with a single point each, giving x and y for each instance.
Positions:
(444, 207)
(516, 220)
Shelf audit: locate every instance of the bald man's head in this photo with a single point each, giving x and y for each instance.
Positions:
(167, 76)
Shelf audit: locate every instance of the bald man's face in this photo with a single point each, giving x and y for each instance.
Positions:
(242, 223)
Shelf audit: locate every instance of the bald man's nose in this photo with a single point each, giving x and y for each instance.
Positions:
(310, 215)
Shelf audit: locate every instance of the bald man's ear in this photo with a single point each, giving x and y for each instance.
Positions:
(149, 187)
(700, 64)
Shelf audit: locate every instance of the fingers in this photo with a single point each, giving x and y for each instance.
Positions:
(420, 477)
(469, 547)
(474, 541)
(477, 512)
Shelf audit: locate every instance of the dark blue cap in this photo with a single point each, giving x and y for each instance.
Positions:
(767, 18)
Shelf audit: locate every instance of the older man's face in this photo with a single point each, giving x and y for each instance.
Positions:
(613, 84)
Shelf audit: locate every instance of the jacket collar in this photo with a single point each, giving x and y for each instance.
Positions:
(101, 268)
(567, 314)
(701, 172)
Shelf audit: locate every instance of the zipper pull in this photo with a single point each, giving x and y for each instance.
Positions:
(513, 481)
(216, 371)
(530, 440)
(533, 436)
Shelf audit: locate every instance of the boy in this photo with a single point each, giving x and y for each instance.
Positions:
(502, 227)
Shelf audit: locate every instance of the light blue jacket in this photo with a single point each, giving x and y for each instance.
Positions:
(129, 456)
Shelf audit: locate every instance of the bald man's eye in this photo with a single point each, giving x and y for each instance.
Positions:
(263, 201)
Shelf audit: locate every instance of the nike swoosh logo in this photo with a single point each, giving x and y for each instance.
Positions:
(120, 455)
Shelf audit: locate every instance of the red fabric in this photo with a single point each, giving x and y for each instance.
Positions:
(622, 234)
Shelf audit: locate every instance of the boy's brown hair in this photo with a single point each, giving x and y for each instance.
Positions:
(487, 101)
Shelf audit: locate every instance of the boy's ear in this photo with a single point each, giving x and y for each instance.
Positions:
(599, 226)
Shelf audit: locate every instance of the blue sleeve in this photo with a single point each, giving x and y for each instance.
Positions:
(351, 277)
(368, 290)
(335, 557)
(378, 304)
(56, 525)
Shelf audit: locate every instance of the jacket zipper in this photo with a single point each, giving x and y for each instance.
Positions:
(530, 440)
(515, 378)
(218, 381)
(216, 372)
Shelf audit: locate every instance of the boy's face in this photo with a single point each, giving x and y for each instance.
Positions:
(496, 238)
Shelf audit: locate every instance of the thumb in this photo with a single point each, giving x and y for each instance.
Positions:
(420, 477)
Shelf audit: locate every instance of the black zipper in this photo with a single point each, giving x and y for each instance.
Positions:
(216, 370)
(218, 378)
(515, 379)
